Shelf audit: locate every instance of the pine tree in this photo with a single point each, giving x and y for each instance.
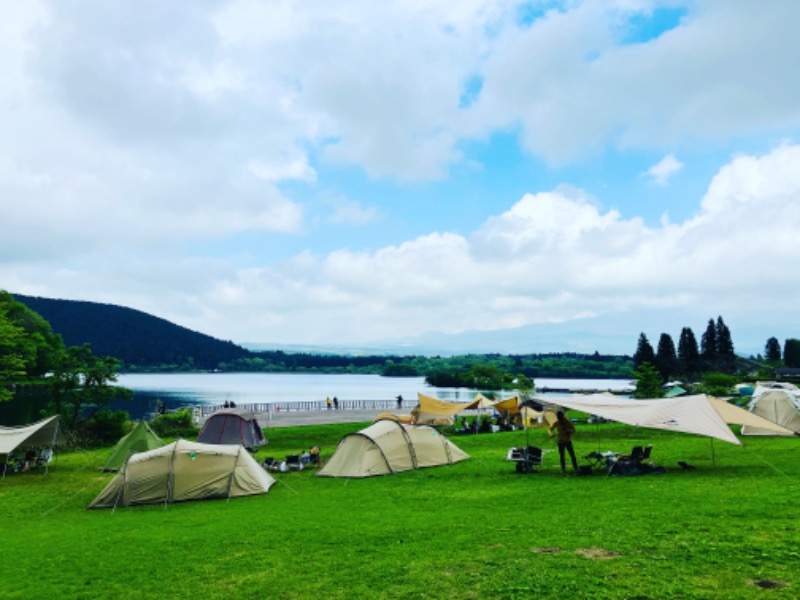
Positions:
(772, 350)
(666, 359)
(644, 352)
(688, 353)
(791, 353)
(724, 341)
(648, 382)
(708, 343)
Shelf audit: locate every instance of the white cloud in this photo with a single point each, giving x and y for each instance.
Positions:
(662, 171)
(551, 257)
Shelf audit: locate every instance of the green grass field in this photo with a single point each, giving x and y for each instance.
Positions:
(472, 530)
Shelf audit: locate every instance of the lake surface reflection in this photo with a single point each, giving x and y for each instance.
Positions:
(184, 389)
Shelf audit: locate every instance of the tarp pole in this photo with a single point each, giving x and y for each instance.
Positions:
(52, 443)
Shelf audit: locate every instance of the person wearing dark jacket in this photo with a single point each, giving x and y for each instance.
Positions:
(565, 430)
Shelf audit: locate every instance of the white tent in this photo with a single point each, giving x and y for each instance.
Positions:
(779, 405)
(698, 414)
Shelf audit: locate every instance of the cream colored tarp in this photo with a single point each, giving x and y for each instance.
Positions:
(479, 401)
(408, 419)
(432, 411)
(45, 433)
(182, 471)
(509, 405)
(780, 406)
(696, 414)
(390, 447)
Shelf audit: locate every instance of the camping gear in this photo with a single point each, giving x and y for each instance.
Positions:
(182, 471)
(46, 433)
(232, 426)
(390, 447)
(140, 439)
(781, 406)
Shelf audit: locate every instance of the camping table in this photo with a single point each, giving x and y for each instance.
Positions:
(600, 459)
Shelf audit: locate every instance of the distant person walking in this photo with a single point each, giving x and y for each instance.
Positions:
(565, 432)
(335, 403)
(400, 401)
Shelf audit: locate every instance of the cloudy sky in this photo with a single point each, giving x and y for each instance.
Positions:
(351, 172)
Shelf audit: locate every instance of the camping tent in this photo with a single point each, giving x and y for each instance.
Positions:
(698, 414)
(390, 447)
(46, 433)
(781, 406)
(232, 426)
(185, 470)
(140, 439)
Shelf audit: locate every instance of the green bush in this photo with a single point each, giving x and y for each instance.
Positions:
(104, 427)
(176, 424)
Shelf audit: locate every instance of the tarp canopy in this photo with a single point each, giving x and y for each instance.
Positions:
(401, 418)
(390, 447)
(46, 433)
(479, 401)
(698, 414)
(509, 405)
(185, 470)
(432, 411)
(232, 426)
(140, 439)
(777, 405)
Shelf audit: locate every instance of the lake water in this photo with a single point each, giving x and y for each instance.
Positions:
(187, 389)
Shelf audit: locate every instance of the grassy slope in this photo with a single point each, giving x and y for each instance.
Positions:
(472, 530)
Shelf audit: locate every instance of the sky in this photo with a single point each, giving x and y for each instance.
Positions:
(356, 172)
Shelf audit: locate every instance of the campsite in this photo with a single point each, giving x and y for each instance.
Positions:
(473, 529)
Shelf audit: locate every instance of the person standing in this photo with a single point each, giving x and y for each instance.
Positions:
(565, 432)
(328, 402)
(400, 401)
(335, 403)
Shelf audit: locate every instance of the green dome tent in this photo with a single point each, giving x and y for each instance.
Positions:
(140, 439)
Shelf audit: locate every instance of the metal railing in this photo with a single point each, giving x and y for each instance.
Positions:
(308, 406)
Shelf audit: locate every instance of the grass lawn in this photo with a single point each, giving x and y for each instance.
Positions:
(472, 530)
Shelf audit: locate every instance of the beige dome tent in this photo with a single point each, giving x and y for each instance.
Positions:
(778, 405)
(185, 470)
(390, 447)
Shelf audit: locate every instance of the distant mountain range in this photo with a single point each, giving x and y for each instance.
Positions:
(135, 337)
(144, 340)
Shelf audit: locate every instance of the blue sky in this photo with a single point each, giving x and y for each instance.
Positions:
(301, 173)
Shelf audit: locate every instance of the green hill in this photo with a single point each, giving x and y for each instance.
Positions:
(140, 340)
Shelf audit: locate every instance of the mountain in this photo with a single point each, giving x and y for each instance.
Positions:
(135, 337)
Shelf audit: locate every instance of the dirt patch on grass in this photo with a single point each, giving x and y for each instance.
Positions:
(597, 553)
(546, 550)
(768, 584)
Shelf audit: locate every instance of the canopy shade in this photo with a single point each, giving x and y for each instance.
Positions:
(698, 414)
(46, 432)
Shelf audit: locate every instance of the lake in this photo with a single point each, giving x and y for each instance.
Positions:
(188, 389)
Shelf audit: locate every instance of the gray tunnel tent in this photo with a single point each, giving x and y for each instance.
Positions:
(232, 426)
(386, 447)
(46, 433)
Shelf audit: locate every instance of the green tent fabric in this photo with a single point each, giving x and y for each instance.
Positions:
(140, 439)
(675, 391)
